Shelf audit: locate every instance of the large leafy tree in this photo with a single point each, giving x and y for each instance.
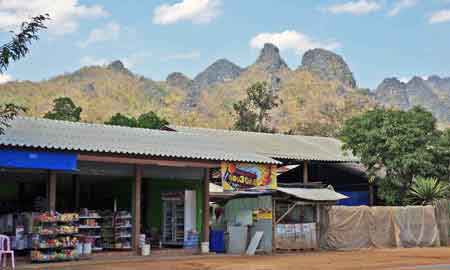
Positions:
(64, 109)
(148, 120)
(253, 112)
(400, 144)
(14, 50)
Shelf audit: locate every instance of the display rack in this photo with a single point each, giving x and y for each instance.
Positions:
(117, 231)
(54, 237)
(90, 228)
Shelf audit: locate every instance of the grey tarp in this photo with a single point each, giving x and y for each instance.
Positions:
(364, 227)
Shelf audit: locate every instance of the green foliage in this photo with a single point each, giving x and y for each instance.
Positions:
(64, 109)
(122, 120)
(148, 120)
(424, 191)
(151, 120)
(402, 144)
(13, 51)
(7, 113)
(18, 46)
(253, 111)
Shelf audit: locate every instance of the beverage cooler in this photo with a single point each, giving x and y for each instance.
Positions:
(179, 216)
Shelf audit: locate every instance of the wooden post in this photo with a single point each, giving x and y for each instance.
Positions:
(305, 172)
(51, 190)
(136, 206)
(318, 225)
(274, 225)
(205, 208)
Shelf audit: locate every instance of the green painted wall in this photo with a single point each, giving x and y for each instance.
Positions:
(153, 203)
(8, 191)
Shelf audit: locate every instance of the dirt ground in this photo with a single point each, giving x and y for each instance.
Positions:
(394, 259)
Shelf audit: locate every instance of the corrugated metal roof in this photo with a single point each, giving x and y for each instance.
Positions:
(62, 135)
(313, 194)
(279, 146)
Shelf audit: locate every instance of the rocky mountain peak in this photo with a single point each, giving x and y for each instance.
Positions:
(270, 59)
(179, 80)
(220, 71)
(392, 92)
(328, 66)
(392, 83)
(116, 65)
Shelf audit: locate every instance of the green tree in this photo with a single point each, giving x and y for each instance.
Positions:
(148, 120)
(253, 112)
(246, 118)
(122, 120)
(14, 50)
(425, 191)
(400, 144)
(151, 120)
(64, 109)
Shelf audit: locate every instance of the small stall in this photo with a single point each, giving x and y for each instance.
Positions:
(286, 218)
(297, 216)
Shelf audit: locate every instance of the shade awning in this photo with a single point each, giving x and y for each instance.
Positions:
(313, 194)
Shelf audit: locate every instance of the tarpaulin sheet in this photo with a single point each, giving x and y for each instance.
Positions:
(11, 158)
(364, 227)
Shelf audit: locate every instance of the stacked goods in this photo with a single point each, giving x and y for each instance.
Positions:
(54, 237)
(90, 229)
(116, 230)
(122, 230)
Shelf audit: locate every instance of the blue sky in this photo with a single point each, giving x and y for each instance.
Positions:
(377, 38)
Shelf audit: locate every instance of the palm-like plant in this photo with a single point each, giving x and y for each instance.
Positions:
(427, 190)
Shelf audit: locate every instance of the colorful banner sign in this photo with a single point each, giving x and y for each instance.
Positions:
(241, 176)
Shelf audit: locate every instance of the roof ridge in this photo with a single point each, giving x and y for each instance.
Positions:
(88, 124)
(250, 132)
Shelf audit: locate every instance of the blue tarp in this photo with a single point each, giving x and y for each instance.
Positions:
(64, 161)
(356, 198)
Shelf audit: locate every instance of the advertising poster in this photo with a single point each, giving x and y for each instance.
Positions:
(241, 176)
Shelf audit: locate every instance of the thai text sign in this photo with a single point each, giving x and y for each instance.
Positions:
(239, 176)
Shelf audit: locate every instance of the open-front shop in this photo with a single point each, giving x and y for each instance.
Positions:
(80, 189)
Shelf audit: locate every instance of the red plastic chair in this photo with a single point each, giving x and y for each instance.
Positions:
(5, 250)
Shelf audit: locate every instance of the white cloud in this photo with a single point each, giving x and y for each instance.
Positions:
(92, 61)
(129, 61)
(400, 5)
(183, 56)
(196, 11)
(110, 31)
(64, 14)
(4, 78)
(358, 7)
(440, 16)
(291, 40)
